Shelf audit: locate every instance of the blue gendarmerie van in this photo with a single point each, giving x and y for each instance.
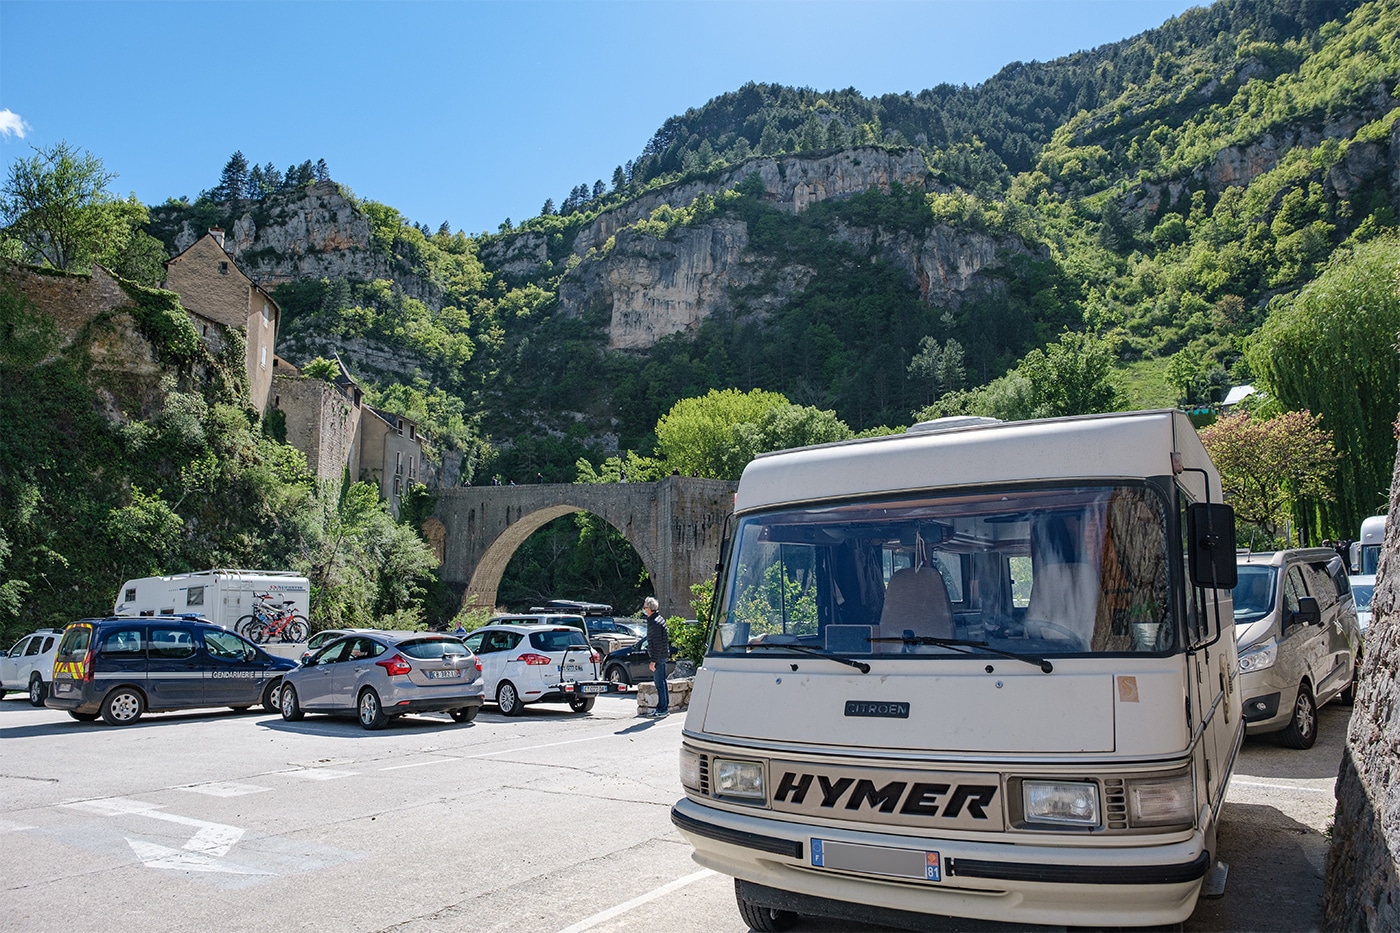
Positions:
(122, 666)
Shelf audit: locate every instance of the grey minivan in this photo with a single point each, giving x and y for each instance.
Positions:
(1298, 640)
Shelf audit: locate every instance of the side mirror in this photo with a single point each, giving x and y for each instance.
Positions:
(1307, 613)
(1210, 545)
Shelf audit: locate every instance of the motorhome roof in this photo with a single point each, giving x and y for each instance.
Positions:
(1118, 445)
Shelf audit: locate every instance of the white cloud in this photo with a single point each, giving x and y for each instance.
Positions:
(12, 125)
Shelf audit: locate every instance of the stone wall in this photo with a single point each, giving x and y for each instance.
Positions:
(1363, 869)
(677, 695)
(321, 422)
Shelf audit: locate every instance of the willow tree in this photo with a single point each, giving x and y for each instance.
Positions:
(1331, 350)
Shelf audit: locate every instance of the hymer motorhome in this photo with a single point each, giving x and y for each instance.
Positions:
(979, 669)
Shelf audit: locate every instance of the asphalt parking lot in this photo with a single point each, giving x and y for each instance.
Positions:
(549, 822)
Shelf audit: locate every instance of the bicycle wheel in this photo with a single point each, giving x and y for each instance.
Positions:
(258, 633)
(298, 629)
(244, 626)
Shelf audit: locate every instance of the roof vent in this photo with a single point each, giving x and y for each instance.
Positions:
(950, 423)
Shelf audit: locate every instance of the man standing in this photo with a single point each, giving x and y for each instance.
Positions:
(658, 650)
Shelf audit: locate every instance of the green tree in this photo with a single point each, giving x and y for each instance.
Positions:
(697, 434)
(56, 204)
(1331, 350)
(1072, 376)
(233, 180)
(1267, 467)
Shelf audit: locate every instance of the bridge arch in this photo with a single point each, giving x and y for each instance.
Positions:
(674, 525)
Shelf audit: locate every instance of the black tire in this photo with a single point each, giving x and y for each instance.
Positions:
(290, 705)
(123, 706)
(465, 714)
(272, 697)
(83, 717)
(244, 625)
(38, 690)
(1302, 727)
(257, 633)
(298, 630)
(582, 704)
(617, 674)
(764, 919)
(508, 699)
(370, 711)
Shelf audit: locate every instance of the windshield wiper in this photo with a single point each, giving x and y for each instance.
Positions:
(816, 652)
(958, 644)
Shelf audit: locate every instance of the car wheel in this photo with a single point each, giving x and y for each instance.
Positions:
(581, 704)
(466, 714)
(618, 675)
(272, 697)
(1302, 728)
(83, 717)
(122, 707)
(508, 699)
(290, 705)
(37, 690)
(763, 919)
(371, 711)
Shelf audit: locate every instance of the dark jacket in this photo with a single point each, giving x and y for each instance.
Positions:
(658, 639)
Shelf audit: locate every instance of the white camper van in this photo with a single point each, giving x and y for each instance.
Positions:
(975, 670)
(221, 596)
(1366, 553)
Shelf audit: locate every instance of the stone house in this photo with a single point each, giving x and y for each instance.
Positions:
(211, 286)
(391, 454)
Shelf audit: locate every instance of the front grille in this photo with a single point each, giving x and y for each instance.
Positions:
(1115, 798)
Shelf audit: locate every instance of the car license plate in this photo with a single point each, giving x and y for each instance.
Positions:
(921, 864)
(443, 675)
(594, 688)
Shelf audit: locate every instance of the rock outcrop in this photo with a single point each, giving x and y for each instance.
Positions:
(1363, 869)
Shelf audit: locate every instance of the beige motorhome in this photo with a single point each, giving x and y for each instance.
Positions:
(979, 669)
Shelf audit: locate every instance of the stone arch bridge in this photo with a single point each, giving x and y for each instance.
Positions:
(675, 525)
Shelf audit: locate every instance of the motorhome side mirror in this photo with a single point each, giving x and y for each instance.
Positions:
(1210, 549)
(1307, 613)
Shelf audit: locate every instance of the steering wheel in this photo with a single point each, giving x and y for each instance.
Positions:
(1059, 630)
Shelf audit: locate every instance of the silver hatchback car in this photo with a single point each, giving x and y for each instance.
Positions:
(381, 675)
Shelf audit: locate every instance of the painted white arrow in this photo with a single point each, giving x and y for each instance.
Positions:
(210, 839)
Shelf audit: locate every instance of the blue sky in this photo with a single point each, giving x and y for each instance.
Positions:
(474, 111)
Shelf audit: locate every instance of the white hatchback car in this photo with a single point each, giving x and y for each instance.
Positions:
(538, 664)
(28, 666)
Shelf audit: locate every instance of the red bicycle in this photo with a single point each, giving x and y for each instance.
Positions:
(268, 621)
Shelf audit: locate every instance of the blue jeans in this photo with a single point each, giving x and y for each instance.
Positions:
(663, 698)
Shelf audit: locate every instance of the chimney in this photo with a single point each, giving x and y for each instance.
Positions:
(218, 234)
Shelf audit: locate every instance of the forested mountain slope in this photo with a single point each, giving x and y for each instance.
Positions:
(1157, 193)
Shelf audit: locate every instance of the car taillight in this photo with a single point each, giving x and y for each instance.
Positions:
(595, 657)
(478, 664)
(396, 666)
(87, 662)
(534, 659)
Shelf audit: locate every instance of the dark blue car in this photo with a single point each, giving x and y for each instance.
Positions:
(121, 667)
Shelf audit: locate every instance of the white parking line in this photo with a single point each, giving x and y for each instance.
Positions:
(622, 908)
(1237, 782)
(531, 748)
(223, 789)
(318, 774)
(420, 764)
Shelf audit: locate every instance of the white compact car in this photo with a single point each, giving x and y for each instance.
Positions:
(538, 664)
(28, 666)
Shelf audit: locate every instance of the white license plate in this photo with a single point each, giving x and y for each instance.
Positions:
(594, 688)
(443, 675)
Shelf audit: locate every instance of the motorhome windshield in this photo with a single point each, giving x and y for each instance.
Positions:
(1042, 571)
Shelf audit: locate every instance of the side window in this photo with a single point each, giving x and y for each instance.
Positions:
(194, 596)
(1193, 597)
(48, 644)
(474, 642)
(362, 648)
(1293, 588)
(226, 646)
(334, 653)
(122, 645)
(35, 644)
(1321, 585)
(173, 643)
(18, 648)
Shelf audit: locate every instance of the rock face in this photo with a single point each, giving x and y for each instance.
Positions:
(1363, 869)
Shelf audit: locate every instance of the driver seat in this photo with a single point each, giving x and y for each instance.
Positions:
(916, 600)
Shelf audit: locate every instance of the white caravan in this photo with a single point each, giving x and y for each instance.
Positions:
(1366, 553)
(221, 596)
(983, 670)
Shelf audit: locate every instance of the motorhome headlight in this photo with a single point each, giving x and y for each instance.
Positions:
(1260, 657)
(738, 779)
(1073, 803)
(1158, 801)
(690, 768)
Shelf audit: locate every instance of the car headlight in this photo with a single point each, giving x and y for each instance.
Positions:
(1259, 658)
(1070, 802)
(1158, 801)
(690, 768)
(738, 779)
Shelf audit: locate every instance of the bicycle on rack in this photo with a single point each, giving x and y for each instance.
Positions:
(269, 621)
